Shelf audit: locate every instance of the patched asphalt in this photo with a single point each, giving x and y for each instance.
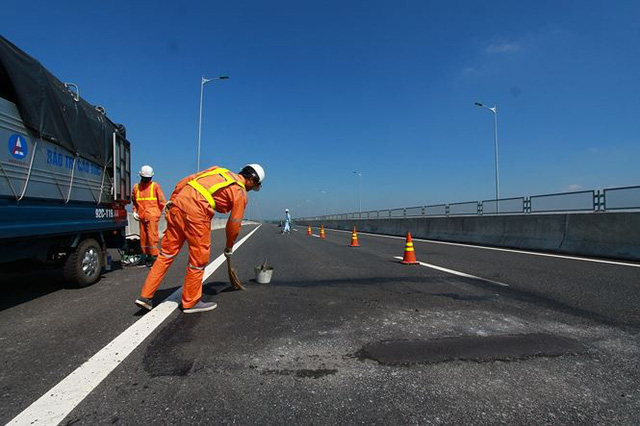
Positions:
(348, 335)
(470, 348)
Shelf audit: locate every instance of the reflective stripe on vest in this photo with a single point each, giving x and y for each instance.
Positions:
(152, 192)
(207, 193)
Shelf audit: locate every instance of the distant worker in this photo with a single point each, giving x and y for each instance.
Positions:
(189, 213)
(287, 222)
(148, 203)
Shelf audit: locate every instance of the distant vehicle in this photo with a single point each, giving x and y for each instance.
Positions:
(65, 174)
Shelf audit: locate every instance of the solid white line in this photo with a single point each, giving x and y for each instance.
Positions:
(314, 235)
(458, 273)
(532, 253)
(60, 400)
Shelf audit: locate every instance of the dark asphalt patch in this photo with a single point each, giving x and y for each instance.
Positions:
(469, 348)
(170, 352)
(302, 373)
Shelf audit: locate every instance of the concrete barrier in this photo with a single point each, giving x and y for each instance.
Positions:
(613, 235)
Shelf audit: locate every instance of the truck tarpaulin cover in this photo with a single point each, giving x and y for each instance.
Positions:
(49, 109)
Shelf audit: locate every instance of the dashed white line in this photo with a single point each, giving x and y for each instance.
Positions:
(458, 273)
(531, 253)
(59, 401)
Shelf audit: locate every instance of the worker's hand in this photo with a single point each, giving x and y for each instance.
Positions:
(136, 216)
(228, 253)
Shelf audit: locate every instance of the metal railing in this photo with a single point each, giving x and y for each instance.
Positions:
(596, 201)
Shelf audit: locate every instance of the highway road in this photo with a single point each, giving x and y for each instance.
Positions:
(342, 335)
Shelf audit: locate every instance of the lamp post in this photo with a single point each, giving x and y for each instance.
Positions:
(204, 81)
(359, 190)
(494, 110)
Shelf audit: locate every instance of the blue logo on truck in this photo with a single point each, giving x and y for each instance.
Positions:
(18, 147)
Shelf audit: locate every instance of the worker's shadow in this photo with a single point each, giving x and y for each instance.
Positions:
(214, 288)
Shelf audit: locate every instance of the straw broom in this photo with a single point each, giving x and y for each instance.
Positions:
(233, 276)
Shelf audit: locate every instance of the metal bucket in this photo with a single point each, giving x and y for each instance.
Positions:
(263, 274)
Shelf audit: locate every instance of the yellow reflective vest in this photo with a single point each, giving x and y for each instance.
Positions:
(207, 193)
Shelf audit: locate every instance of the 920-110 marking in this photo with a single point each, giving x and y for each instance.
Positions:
(105, 214)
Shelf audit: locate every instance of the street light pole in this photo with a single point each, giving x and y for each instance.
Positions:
(359, 191)
(204, 81)
(494, 110)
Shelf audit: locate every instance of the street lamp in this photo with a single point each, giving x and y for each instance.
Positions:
(494, 110)
(204, 81)
(359, 191)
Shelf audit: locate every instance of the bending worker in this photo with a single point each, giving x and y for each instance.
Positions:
(148, 203)
(189, 213)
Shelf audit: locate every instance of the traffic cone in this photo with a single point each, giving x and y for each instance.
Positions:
(354, 238)
(409, 254)
(322, 236)
(309, 230)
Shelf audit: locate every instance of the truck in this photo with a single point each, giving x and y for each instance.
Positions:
(65, 173)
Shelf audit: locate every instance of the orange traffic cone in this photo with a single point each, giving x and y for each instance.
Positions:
(354, 238)
(309, 230)
(322, 236)
(409, 254)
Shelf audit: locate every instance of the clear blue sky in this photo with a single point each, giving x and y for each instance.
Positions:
(319, 89)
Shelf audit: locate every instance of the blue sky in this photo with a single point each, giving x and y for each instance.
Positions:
(319, 89)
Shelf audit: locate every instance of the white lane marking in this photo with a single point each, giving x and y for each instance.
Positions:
(59, 401)
(532, 253)
(314, 235)
(458, 273)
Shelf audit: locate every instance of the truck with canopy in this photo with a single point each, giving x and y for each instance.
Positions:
(65, 174)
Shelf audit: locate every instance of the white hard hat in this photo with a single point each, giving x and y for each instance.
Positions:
(286, 210)
(146, 171)
(258, 169)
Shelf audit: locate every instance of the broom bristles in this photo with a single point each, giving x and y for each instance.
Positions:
(233, 277)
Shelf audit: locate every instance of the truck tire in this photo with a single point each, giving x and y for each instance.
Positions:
(84, 266)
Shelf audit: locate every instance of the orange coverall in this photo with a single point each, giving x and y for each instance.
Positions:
(189, 216)
(148, 201)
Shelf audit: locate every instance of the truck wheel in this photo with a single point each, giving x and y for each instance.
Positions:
(84, 266)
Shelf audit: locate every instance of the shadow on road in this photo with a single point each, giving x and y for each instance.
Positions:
(214, 288)
(25, 285)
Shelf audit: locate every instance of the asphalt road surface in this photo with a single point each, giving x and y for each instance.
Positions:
(341, 335)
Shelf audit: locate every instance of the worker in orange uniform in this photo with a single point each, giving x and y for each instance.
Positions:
(148, 203)
(189, 213)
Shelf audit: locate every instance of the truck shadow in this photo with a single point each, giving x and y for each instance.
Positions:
(18, 288)
(25, 285)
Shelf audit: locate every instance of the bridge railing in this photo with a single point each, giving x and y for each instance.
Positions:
(616, 199)
(623, 198)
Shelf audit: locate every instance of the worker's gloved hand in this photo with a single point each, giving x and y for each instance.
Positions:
(136, 216)
(228, 253)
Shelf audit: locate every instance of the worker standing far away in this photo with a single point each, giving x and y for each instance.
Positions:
(287, 222)
(189, 213)
(148, 203)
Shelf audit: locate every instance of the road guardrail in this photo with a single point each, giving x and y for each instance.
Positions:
(616, 199)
